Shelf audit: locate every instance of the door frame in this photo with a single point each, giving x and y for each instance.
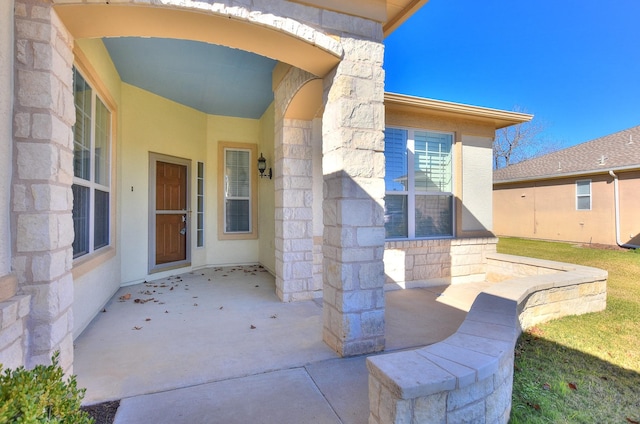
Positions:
(153, 159)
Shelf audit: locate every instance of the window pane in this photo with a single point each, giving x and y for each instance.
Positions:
(101, 219)
(395, 216)
(102, 135)
(82, 127)
(583, 187)
(237, 214)
(80, 220)
(433, 216)
(584, 203)
(237, 173)
(395, 154)
(432, 161)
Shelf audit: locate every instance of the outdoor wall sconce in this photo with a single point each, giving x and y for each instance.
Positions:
(262, 167)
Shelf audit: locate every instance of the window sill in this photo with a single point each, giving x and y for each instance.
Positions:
(87, 263)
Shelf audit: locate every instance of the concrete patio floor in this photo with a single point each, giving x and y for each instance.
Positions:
(217, 345)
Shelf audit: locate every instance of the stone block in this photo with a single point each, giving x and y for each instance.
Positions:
(37, 161)
(48, 197)
(22, 125)
(470, 414)
(47, 336)
(371, 275)
(431, 409)
(12, 332)
(37, 89)
(470, 394)
(373, 323)
(37, 232)
(44, 301)
(48, 266)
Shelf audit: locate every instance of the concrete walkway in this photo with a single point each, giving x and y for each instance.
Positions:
(217, 346)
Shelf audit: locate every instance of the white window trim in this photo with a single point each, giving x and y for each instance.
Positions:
(578, 196)
(91, 184)
(253, 189)
(412, 193)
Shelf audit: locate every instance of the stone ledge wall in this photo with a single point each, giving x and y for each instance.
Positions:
(468, 377)
(410, 263)
(13, 331)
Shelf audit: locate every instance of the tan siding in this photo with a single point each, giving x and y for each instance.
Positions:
(547, 210)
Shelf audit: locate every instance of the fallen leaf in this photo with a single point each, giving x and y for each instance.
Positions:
(253, 327)
(125, 296)
(171, 288)
(104, 310)
(195, 304)
(629, 420)
(221, 307)
(137, 328)
(166, 312)
(257, 285)
(573, 386)
(274, 316)
(148, 319)
(534, 406)
(546, 386)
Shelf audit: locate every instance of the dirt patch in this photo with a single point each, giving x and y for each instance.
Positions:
(103, 413)
(601, 246)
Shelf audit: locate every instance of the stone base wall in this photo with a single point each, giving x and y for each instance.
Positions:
(412, 263)
(13, 331)
(468, 377)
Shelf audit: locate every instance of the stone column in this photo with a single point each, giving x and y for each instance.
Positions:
(42, 199)
(293, 173)
(294, 224)
(353, 167)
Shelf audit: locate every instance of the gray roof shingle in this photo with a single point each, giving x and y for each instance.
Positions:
(616, 151)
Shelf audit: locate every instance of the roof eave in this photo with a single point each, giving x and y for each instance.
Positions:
(399, 18)
(569, 175)
(497, 117)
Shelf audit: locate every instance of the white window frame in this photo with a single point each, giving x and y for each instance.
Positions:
(252, 233)
(200, 204)
(579, 196)
(412, 193)
(91, 184)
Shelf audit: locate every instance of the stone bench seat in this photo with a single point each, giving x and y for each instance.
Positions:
(468, 377)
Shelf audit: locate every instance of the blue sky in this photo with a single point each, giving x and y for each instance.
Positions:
(574, 64)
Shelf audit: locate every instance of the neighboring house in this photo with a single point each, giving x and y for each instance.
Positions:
(130, 138)
(587, 193)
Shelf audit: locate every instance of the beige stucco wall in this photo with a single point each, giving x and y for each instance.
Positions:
(151, 124)
(629, 189)
(235, 130)
(266, 197)
(472, 165)
(547, 210)
(6, 137)
(477, 178)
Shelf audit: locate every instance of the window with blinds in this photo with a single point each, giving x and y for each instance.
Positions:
(419, 198)
(237, 191)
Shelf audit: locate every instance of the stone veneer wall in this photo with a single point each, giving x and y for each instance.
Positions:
(44, 113)
(414, 262)
(13, 324)
(468, 377)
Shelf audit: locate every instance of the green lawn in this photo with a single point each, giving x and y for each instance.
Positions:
(581, 369)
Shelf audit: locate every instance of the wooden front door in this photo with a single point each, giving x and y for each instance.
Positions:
(171, 214)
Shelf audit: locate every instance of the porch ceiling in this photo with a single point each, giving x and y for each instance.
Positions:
(213, 79)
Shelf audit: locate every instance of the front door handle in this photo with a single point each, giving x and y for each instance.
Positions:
(183, 231)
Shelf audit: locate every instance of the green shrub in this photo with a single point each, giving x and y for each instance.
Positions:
(40, 396)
